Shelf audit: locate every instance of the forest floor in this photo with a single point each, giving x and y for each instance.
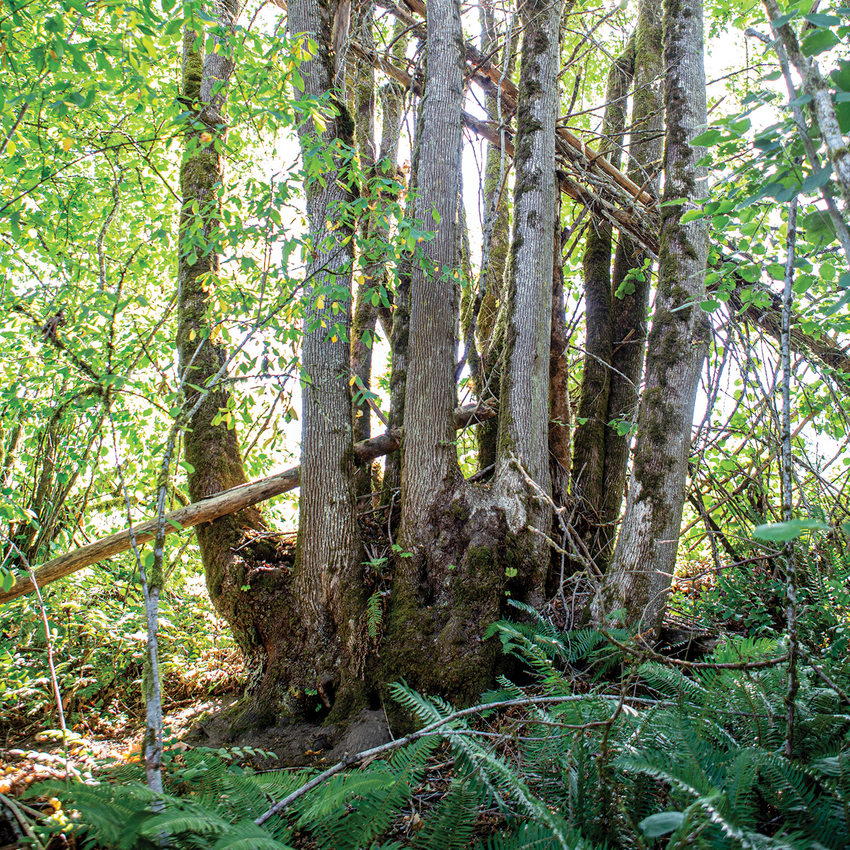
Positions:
(28, 755)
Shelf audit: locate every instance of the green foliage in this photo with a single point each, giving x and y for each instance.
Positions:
(750, 597)
(209, 802)
(97, 627)
(680, 756)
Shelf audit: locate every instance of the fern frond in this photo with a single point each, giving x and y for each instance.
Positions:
(533, 836)
(452, 823)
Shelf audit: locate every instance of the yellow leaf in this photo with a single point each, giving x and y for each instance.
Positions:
(191, 335)
(67, 144)
(334, 338)
(11, 147)
(320, 302)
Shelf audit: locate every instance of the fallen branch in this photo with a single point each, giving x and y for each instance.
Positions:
(432, 728)
(215, 506)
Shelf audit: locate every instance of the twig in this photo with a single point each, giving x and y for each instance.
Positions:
(787, 470)
(15, 808)
(430, 729)
(57, 693)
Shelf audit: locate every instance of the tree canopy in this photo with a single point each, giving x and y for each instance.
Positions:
(534, 315)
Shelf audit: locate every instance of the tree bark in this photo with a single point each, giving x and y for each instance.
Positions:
(590, 436)
(630, 306)
(365, 316)
(495, 248)
(645, 557)
(430, 462)
(524, 420)
(560, 426)
(468, 545)
(399, 332)
(328, 571)
(211, 447)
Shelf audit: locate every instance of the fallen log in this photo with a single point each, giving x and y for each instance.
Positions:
(213, 507)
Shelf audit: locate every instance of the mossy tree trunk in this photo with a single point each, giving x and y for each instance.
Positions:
(471, 545)
(645, 557)
(229, 547)
(365, 317)
(522, 464)
(630, 302)
(489, 332)
(560, 427)
(590, 435)
(392, 99)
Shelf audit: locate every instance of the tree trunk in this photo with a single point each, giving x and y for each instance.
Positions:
(630, 305)
(467, 544)
(393, 101)
(559, 388)
(299, 629)
(365, 317)
(495, 249)
(328, 570)
(590, 437)
(645, 557)
(524, 411)
(228, 549)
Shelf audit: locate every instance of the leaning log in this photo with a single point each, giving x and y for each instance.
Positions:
(211, 508)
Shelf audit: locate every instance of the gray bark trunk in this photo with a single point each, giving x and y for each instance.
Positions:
(364, 320)
(328, 562)
(470, 545)
(590, 436)
(399, 333)
(524, 412)
(495, 249)
(429, 466)
(560, 428)
(645, 557)
(629, 312)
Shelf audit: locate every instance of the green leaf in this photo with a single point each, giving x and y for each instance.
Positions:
(784, 19)
(817, 179)
(818, 42)
(818, 228)
(661, 824)
(822, 20)
(708, 138)
(782, 532)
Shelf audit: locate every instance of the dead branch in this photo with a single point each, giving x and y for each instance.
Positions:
(213, 507)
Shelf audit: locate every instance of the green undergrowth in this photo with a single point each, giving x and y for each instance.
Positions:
(99, 646)
(663, 757)
(604, 745)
